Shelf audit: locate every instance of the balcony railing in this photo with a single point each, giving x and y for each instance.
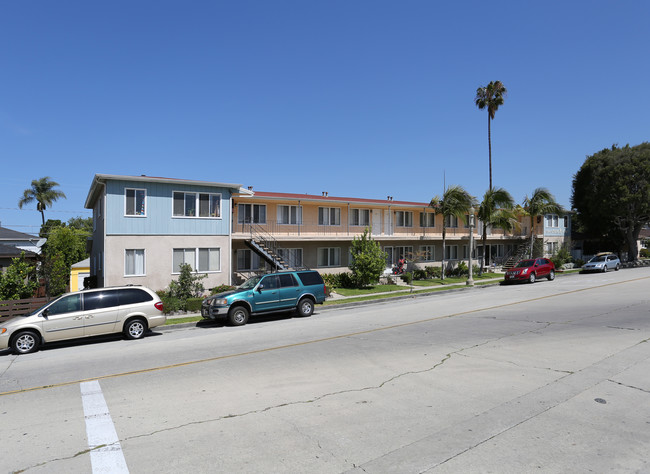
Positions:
(314, 229)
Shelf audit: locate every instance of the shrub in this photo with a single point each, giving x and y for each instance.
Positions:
(407, 277)
(221, 289)
(193, 305)
(419, 274)
(561, 256)
(645, 253)
(433, 272)
(368, 260)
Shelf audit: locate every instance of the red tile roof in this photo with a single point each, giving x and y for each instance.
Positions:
(326, 198)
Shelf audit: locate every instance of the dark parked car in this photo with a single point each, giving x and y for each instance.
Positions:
(602, 262)
(530, 270)
(284, 291)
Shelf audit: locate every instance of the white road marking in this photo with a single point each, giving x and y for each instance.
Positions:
(105, 449)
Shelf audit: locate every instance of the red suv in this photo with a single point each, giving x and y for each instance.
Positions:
(531, 270)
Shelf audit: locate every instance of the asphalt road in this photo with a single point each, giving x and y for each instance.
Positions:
(550, 377)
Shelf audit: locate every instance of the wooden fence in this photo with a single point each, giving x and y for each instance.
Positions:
(16, 307)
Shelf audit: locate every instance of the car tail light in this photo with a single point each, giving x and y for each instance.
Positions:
(159, 306)
(325, 289)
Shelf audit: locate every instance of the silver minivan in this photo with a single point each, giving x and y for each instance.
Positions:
(128, 309)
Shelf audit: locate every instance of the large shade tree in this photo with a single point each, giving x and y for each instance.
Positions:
(539, 203)
(455, 202)
(496, 210)
(43, 192)
(490, 97)
(611, 195)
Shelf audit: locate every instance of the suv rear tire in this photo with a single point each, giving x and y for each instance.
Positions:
(305, 307)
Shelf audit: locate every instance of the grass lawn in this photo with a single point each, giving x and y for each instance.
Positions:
(368, 291)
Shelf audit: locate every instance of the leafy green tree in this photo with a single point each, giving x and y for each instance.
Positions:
(490, 97)
(43, 192)
(541, 202)
(64, 247)
(611, 195)
(496, 210)
(19, 281)
(368, 260)
(81, 223)
(187, 286)
(455, 202)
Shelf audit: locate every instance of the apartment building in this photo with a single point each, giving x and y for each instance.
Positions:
(145, 227)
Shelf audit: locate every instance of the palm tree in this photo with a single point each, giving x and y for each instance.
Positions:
(496, 210)
(490, 97)
(540, 203)
(455, 202)
(43, 192)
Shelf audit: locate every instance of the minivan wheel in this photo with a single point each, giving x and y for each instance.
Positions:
(135, 329)
(238, 316)
(25, 342)
(531, 278)
(305, 307)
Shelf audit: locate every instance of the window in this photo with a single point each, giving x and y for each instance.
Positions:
(465, 251)
(360, 217)
(451, 252)
(552, 220)
(134, 262)
(329, 216)
(287, 280)
(404, 218)
(427, 219)
(209, 260)
(292, 257)
(200, 259)
(135, 202)
(247, 260)
(451, 221)
(100, 300)
(133, 295)
(428, 253)
(290, 215)
(329, 257)
(186, 204)
(67, 304)
(405, 252)
(251, 214)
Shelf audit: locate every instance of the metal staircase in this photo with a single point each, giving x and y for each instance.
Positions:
(521, 252)
(265, 245)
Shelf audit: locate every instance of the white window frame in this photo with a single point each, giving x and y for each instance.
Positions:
(451, 252)
(360, 217)
(197, 205)
(428, 253)
(425, 217)
(133, 253)
(451, 222)
(292, 256)
(192, 256)
(293, 214)
(241, 216)
(404, 218)
(332, 255)
(135, 202)
(329, 216)
(256, 263)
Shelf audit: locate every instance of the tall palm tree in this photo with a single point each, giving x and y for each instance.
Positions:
(490, 97)
(496, 210)
(454, 202)
(541, 202)
(43, 192)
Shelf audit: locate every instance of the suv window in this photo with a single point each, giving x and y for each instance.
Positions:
(270, 282)
(100, 299)
(134, 295)
(310, 278)
(287, 280)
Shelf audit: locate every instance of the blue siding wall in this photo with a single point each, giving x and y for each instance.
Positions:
(159, 220)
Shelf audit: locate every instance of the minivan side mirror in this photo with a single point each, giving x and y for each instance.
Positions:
(45, 313)
(260, 288)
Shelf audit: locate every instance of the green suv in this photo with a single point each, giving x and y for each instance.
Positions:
(299, 290)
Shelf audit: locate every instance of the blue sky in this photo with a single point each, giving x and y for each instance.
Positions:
(358, 98)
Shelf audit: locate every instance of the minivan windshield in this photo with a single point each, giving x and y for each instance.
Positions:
(42, 307)
(250, 283)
